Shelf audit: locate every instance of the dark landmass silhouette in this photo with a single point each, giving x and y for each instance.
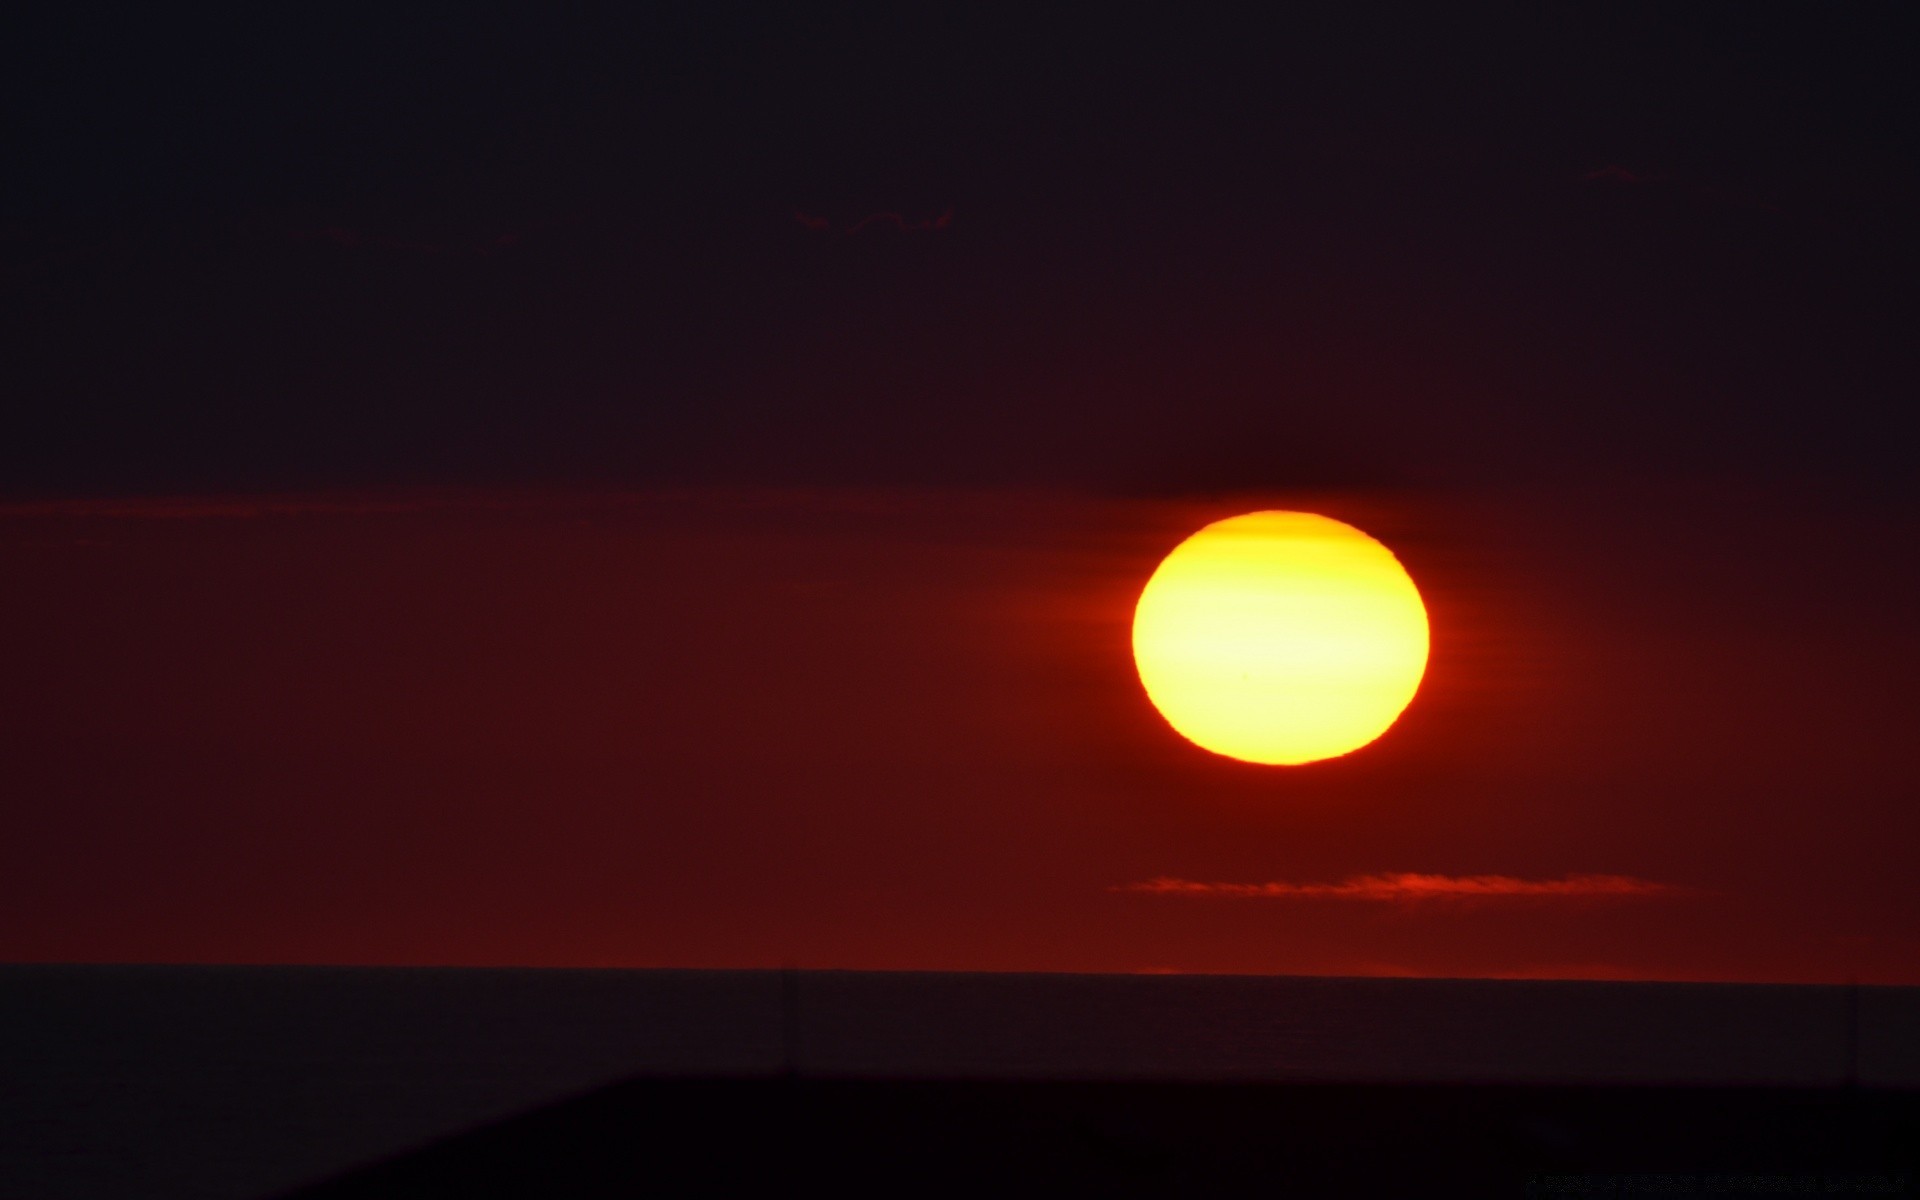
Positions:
(229, 1083)
(891, 1137)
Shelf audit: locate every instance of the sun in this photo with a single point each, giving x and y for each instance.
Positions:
(1280, 638)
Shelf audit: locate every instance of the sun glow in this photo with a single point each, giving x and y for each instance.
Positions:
(1280, 638)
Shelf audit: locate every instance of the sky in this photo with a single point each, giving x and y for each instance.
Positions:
(669, 488)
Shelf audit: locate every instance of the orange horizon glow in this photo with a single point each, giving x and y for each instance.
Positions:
(1280, 638)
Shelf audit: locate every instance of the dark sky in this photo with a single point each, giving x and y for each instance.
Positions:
(667, 485)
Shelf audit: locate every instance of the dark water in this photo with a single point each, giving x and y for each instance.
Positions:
(231, 1082)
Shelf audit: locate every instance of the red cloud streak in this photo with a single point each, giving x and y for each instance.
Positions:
(1411, 886)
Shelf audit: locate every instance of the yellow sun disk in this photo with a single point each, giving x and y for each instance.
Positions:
(1280, 637)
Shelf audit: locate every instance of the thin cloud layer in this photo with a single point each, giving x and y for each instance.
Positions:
(202, 508)
(888, 220)
(355, 239)
(1410, 886)
(900, 222)
(1615, 173)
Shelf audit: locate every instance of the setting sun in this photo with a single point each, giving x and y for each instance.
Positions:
(1280, 638)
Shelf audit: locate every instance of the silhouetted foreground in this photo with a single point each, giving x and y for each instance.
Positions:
(232, 1083)
(756, 1136)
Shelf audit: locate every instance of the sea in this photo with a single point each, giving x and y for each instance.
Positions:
(223, 1082)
